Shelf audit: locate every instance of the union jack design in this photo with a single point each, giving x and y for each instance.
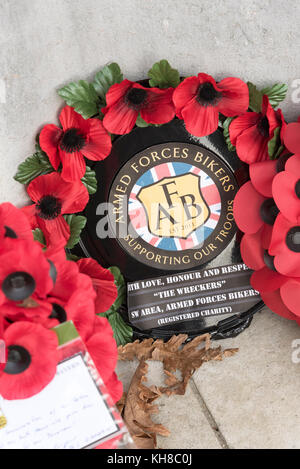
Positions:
(210, 194)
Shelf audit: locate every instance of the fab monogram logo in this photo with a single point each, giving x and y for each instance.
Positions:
(173, 206)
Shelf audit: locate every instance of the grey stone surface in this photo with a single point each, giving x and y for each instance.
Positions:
(45, 44)
(254, 395)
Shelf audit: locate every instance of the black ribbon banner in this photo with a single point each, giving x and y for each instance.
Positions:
(187, 296)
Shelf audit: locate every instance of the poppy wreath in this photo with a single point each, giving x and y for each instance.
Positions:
(40, 289)
(59, 179)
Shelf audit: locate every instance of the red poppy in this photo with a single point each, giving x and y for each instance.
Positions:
(290, 294)
(72, 297)
(13, 223)
(126, 100)
(253, 211)
(32, 360)
(79, 308)
(103, 283)
(279, 292)
(198, 101)
(251, 132)
(286, 190)
(285, 247)
(291, 136)
(103, 348)
(262, 175)
(114, 387)
(53, 198)
(77, 139)
(274, 301)
(24, 272)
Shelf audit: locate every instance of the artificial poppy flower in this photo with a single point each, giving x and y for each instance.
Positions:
(255, 254)
(53, 198)
(114, 387)
(126, 100)
(291, 136)
(279, 292)
(290, 296)
(274, 301)
(77, 139)
(251, 132)
(103, 349)
(286, 190)
(253, 211)
(285, 247)
(103, 283)
(31, 361)
(262, 175)
(79, 308)
(198, 101)
(24, 272)
(13, 223)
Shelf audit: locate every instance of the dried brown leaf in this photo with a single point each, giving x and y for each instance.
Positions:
(139, 408)
(121, 404)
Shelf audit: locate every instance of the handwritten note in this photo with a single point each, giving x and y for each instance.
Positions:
(70, 413)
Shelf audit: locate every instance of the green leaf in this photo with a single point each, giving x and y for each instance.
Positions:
(121, 286)
(163, 75)
(108, 76)
(90, 181)
(38, 235)
(255, 97)
(66, 332)
(76, 224)
(122, 332)
(82, 97)
(141, 123)
(32, 167)
(276, 93)
(274, 143)
(72, 257)
(278, 152)
(226, 125)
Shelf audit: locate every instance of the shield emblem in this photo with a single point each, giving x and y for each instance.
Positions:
(174, 206)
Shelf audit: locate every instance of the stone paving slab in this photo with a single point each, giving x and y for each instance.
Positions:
(254, 396)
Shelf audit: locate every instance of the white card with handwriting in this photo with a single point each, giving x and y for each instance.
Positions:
(70, 413)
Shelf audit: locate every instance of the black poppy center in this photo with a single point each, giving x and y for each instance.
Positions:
(9, 233)
(49, 207)
(269, 261)
(293, 239)
(72, 140)
(269, 211)
(58, 313)
(136, 97)
(18, 286)
(297, 188)
(207, 94)
(264, 126)
(280, 165)
(18, 360)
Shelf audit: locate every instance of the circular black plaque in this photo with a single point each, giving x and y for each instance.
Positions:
(165, 166)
